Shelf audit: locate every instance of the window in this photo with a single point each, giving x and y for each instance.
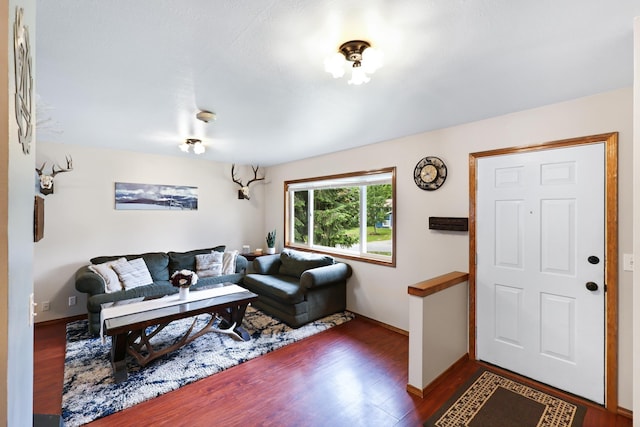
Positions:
(349, 215)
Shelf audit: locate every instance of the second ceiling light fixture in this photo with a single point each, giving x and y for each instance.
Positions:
(195, 143)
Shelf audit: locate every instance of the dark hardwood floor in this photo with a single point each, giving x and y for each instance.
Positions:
(351, 375)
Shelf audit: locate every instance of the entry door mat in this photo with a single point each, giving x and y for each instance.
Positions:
(89, 391)
(490, 400)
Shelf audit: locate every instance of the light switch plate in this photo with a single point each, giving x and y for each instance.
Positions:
(627, 262)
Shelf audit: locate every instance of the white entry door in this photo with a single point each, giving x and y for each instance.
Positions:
(540, 266)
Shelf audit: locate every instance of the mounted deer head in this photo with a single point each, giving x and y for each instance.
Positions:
(243, 192)
(46, 181)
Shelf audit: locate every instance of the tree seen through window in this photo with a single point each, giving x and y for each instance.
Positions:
(351, 215)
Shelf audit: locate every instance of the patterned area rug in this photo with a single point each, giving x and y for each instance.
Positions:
(89, 391)
(490, 400)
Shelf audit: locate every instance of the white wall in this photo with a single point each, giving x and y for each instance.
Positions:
(17, 238)
(381, 292)
(81, 221)
(636, 220)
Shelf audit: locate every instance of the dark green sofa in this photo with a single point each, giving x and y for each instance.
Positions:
(298, 287)
(160, 265)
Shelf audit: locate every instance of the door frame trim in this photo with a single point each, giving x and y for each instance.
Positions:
(611, 248)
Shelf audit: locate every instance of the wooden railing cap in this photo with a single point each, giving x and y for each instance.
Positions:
(437, 284)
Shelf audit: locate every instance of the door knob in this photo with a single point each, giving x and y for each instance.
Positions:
(592, 286)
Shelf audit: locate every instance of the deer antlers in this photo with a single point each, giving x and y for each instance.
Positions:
(69, 167)
(243, 192)
(54, 172)
(46, 181)
(233, 176)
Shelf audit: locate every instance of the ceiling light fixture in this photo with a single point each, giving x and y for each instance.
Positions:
(362, 58)
(206, 116)
(197, 145)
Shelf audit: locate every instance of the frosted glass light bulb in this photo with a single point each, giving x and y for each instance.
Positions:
(358, 76)
(372, 59)
(198, 148)
(334, 65)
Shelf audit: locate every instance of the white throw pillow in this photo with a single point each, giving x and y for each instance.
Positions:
(108, 274)
(209, 265)
(229, 262)
(133, 273)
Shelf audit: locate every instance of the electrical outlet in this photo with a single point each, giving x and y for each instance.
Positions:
(627, 262)
(45, 306)
(72, 300)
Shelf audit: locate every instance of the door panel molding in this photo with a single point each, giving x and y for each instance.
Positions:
(611, 248)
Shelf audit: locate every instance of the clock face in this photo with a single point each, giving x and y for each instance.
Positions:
(430, 173)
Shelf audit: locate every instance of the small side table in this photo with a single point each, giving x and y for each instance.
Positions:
(252, 255)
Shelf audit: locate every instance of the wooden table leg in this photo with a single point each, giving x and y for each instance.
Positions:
(118, 354)
(234, 315)
(237, 314)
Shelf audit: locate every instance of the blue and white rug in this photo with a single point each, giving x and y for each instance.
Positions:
(89, 391)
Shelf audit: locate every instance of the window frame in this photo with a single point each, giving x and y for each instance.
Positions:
(315, 182)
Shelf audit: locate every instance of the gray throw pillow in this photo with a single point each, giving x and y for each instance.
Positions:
(229, 262)
(209, 265)
(109, 275)
(133, 273)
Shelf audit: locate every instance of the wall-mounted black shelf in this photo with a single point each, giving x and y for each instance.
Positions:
(448, 223)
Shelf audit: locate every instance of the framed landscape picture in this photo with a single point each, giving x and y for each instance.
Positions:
(129, 196)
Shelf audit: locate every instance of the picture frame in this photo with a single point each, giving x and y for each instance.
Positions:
(134, 196)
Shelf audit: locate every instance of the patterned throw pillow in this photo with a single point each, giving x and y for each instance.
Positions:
(108, 274)
(133, 273)
(209, 265)
(229, 262)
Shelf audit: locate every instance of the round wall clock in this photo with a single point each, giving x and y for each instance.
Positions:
(430, 173)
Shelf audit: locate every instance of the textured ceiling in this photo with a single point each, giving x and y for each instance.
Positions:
(132, 74)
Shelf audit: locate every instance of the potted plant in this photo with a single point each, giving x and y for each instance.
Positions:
(271, 242)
